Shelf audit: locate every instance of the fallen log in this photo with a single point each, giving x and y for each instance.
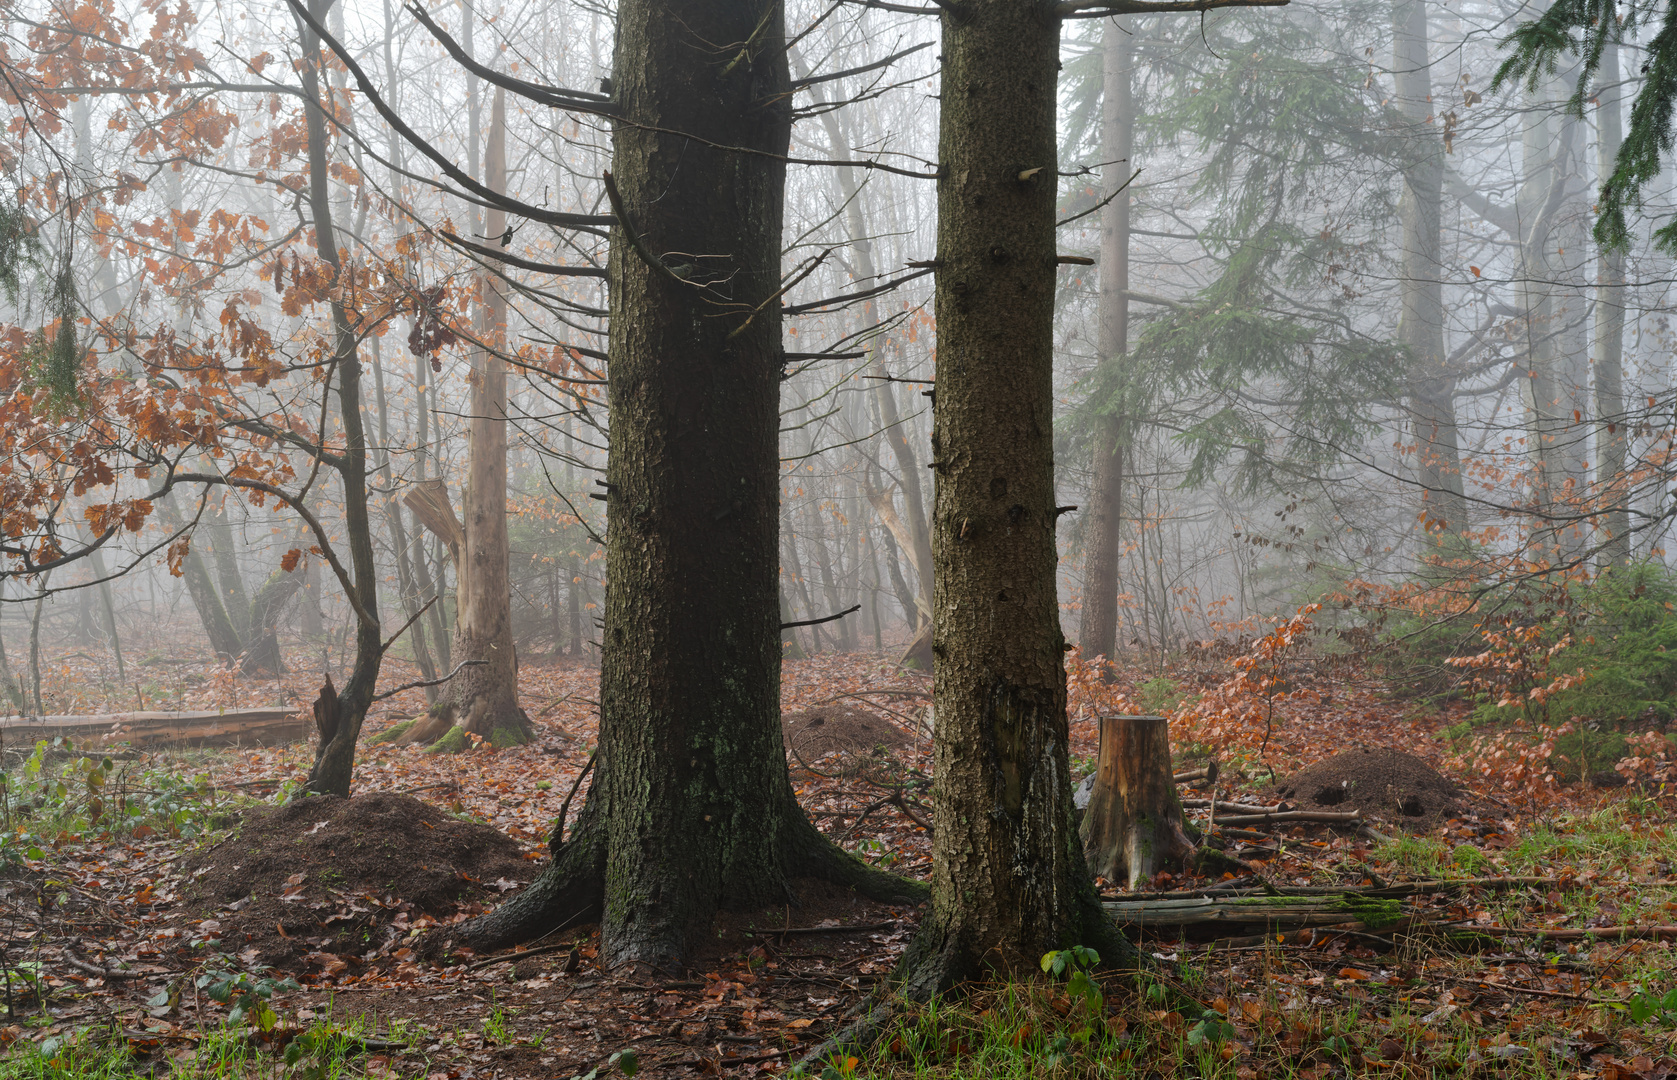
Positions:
(1208, 774)
(1236, 807)
(1269, 912)
(232, 727)
(1600, 933)
(1326, 817)
(1384, 892)
(1310, 937)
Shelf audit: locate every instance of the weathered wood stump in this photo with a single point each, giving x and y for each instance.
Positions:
(1133, 826)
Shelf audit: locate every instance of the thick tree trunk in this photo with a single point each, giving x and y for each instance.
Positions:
(1421, 321)
(1611, 483)
(482, 699)
(1132, 828)
(691, 807)
(1009, 881)
(1099, 629)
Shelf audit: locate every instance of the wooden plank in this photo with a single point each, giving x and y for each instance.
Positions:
(232, 727)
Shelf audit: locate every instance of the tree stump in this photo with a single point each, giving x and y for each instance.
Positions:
(1133, 826)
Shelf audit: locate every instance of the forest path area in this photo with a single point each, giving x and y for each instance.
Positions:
(209, 924)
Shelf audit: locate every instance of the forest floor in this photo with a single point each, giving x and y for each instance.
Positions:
(165, 914)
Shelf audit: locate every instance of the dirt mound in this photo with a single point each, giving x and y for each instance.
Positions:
(1388, 785)
(840, 729)
(330, 881)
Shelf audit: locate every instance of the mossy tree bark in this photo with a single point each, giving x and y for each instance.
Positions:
(691, 807)
(1009, 881)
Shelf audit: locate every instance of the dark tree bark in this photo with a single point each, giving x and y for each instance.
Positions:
(691, 807)
(334, 761)
(1099, 629)
(1132, 828)
(1009, 881)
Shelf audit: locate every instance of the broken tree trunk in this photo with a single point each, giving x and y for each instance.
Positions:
(1133, 826)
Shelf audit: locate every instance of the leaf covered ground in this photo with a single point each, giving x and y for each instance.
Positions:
(1528, 935)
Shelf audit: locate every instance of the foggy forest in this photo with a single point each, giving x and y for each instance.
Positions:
(846, 538)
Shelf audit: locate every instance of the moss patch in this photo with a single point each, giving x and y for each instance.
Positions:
(504, 738)
(453, 741)
(392, 733)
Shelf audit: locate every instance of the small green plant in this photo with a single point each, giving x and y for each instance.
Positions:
(1212, 1029)
(247, 990)
(496, 1027)
(1161, 695)
(320, 1053)
(1650, 1008)
(1076, 965)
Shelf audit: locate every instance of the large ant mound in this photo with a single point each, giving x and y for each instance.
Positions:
(840, 729)
(1388, 785)
(332, 882)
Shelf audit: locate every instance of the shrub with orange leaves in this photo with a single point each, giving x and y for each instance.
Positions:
(1238, 717)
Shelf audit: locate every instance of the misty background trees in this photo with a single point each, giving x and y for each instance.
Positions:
(1360, 334)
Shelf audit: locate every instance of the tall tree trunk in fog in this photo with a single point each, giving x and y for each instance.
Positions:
(1610, 433)
(339, 714)
(223, 638)
(224, 549)
(895, 430)
(483, 698)
(1421, 288)
(1099, 629)
(1009, 881)
(691, 807)
(1553, 391)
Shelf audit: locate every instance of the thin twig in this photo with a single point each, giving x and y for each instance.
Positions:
(429, 682)
(565, 807)
(826, 619)
(386, 646)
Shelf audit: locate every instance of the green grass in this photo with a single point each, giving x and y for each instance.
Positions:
(323, 1051)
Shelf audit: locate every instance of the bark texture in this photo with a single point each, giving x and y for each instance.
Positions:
(1008, 881)
(1132, 828)
(1099, 629)
(691, 807)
